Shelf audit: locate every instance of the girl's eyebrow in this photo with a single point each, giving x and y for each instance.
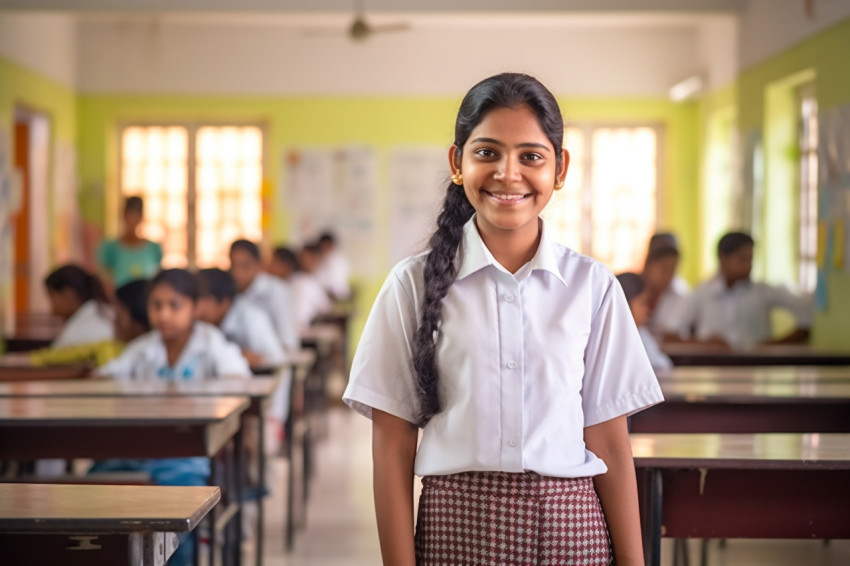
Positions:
(519, 145)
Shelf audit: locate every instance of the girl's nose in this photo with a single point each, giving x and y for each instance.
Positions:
(508, 171)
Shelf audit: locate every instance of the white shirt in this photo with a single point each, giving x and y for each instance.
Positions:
(310, 297)
(207, 355)
(740, 315)
(526, 361)
(333, 274)
(91, 323)
(657, 358)
(251, 328)
(667, 310)
(274, 296)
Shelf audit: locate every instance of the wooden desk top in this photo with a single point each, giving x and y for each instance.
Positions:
(755, 391)
(767, 374)
(16, 366)
(106, 509)
(786, 354)
(136, 411)
(742, 451)
(256, 387)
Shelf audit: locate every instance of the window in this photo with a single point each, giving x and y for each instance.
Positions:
(808, 179)
(202, 188)
(607, 208)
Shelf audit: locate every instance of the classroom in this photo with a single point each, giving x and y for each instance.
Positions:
(201, 203)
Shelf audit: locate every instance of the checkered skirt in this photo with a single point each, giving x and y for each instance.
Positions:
(498, 518)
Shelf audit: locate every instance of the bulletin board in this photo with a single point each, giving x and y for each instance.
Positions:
(418, 177)
(334, 189)
(833, 198)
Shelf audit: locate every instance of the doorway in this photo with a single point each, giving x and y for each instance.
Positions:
(30, 223)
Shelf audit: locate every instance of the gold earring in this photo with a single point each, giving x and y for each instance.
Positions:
(457, 178)
(559, 185)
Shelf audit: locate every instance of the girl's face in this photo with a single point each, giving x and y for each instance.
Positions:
(659, 274)
(244, 268)
(126, 329)
(640, 309)
(509, 171)
(64, 302)
(170, 312)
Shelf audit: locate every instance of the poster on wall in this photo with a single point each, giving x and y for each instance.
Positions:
(418, 177)
(334, 189)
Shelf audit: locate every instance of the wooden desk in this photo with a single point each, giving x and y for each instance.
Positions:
(739, 406)
(95, 524)
(33, 331)
(16, 366)
(742, 486)
(259, 391)
(756, 374)
(131, 427)
(790, 354)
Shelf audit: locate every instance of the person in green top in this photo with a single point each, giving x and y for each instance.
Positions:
(129, 257)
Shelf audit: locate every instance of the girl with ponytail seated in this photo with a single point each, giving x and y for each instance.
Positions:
(516, 357)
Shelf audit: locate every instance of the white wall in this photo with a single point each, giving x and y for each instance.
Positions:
(43, 42)
(769, 26)
(599, 56)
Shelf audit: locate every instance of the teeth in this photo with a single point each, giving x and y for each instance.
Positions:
(508, 197)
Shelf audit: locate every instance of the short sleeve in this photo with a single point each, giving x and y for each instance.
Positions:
(106, 254)
(382, 375)
(618, 378)
(156, 253)
(284, 313)
(229, 361)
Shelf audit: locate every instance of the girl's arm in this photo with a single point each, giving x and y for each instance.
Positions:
(617, 489)
(393, 452)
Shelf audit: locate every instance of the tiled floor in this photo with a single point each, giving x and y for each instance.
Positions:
(341, 527)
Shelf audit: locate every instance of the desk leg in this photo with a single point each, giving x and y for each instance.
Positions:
(289, 535)
(652, 516)
(261, 484)
(211, 517)
(239, 482)
(152, 549)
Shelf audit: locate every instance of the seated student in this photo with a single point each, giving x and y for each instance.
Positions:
(178, 349)
(131, 321)
(637, 295)
(309, 296)
(333, 271)
(242, 322)
(78, 297)
(664, 296)
(264, 290)
(732, 310)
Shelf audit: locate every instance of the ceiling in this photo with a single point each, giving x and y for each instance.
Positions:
(428, 6)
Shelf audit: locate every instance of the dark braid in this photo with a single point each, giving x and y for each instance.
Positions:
(507, 90)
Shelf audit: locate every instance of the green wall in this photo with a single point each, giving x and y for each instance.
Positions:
(763, 107)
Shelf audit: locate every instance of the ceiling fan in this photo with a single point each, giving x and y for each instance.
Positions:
(360, 29)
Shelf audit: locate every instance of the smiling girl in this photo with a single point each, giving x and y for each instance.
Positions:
(517, 357)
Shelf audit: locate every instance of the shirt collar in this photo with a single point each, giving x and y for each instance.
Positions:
(474, 254)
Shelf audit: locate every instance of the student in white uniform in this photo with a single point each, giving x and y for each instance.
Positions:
(309, 296)
(732, 310)
(78, 297)
(516, 356)
(265, 291)
(178, 349)
(242, 322)
(333, 271)
(665, 292)
(637, 297)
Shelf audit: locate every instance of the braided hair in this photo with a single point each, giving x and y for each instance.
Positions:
(506, 90)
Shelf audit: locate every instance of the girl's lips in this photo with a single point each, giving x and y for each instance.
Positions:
(506, 198)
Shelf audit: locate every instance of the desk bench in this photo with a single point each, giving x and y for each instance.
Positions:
(97, 524)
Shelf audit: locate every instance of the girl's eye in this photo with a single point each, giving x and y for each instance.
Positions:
(532, 157)
(484, 152)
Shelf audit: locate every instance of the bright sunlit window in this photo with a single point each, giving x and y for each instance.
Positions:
(225, 186)
(808, 178)
(607, 208)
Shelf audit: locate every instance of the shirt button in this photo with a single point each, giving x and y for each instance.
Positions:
(511, 364)
(512, 442)
(509, 297)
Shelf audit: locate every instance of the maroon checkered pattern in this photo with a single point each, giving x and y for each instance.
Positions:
(499, 518)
